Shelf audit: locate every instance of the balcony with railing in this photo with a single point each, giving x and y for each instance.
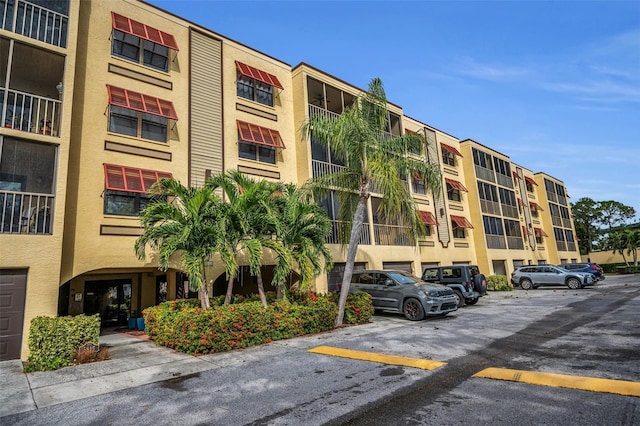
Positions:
(29, 113)
(392, 235)
(495, 241)
(316, 111)
(571, 246)
(510, 211)
(561, 245)
(42, 20)
(334, 238)
(504, 180)
(515, 243)
(552, 196)
(322, 168)
(556, 220)
(485, 174)
(490, 207)
(25, 213)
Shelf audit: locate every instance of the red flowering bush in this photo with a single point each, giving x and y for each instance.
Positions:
(190, 329)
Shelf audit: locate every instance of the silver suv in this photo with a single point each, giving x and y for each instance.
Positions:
(397, 291)
(529, 277)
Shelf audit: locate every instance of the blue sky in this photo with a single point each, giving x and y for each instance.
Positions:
(553, 84)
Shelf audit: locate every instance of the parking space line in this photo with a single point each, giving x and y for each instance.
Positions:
(424, 364)
(593, 384)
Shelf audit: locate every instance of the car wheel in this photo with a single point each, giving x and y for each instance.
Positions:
(526, 284)
(573, 283)
(480, 283)
(459, 298)
(472, 301)
(413, 310)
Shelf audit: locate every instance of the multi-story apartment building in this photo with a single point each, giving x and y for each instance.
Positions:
(100, 99)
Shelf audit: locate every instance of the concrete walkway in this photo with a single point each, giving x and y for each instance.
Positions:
(134, 361)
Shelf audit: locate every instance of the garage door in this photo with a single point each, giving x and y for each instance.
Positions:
(399, 266)
(13, 286)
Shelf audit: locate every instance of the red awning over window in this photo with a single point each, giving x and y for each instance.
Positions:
(427, 218)
(265, 77)
(516, 175)
(535, 206)
(461, 222)
(539, 232)
(455, 184)
(525, 230)
(139, 102)
(450, 149)
(531, 181)
(259, 135)
(138, 29)
(131, 179)
(520, 202)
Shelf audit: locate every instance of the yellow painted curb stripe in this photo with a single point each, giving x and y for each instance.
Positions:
(593, 384)
(424, 364)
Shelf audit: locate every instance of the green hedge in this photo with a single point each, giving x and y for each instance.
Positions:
(182, 325)
(53, 341)
(499, 283)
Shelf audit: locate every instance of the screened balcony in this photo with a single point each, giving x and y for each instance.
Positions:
(42, 20)
(31, 102)
(27, 171)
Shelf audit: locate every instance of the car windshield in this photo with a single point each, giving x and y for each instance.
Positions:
(403, 278)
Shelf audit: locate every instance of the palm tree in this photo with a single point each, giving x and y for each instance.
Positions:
(247, 228)
(373, 160)
(303, 227)
(184, 221)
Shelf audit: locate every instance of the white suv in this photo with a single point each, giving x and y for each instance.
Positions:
(528, 277)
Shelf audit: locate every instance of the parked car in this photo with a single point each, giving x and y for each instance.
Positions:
(590, 267)
(397, 291)
(528, 277)
(466, 281)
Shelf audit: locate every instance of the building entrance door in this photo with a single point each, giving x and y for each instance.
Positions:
(109, 298)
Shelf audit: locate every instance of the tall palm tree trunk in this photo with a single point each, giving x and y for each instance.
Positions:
(229, 294)
(263, 298)
(356, 231)
(203, 292)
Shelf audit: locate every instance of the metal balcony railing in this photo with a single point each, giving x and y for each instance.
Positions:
(334, 238)
(562, 245)
(495, 242)
(321, 168)
(504, 180)
(509, 211)
(29, 113)
(515, 243)
(556, 220)
(34, 21)
(392, 235)
(485, 174)
(315, 111)
(490, 207)
(571, 246)
(552, 196)
(25, 213)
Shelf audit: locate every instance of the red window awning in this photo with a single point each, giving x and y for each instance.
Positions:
(531, 181)
(455, 184)
(516, 175)
(259, 135)
(138, 29)
(255, 73)
(450, 149)
(520, 202)
(131, 179)
(525, 230)
(427, 218)
(539, 232)
(140, 102)
(461, 222)
(535, 206)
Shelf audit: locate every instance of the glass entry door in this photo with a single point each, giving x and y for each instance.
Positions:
(109, 298)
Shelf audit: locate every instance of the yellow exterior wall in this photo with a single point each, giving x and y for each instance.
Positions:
(41, 254)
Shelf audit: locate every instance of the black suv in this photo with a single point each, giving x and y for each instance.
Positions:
(397, 291)
(466, 281)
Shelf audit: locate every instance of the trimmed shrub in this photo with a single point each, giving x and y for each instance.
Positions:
(53, 342)
(190, 329)
(498, 283)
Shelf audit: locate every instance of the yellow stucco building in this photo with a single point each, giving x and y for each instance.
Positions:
(105, 97)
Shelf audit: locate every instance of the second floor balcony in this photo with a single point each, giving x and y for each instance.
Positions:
(29, 113)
